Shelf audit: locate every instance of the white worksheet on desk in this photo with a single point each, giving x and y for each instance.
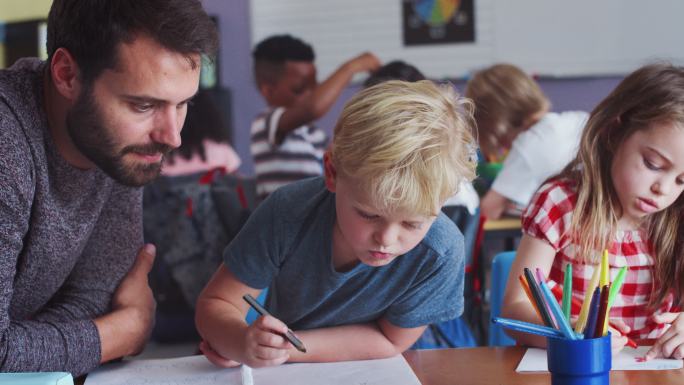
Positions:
(534, 360)
(196, 370)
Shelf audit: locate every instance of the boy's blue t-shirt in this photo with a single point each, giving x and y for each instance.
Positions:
(286, 245)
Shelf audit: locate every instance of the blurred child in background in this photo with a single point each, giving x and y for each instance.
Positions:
(514, 123)
(394, 70)
(286, 146)
(204, 138)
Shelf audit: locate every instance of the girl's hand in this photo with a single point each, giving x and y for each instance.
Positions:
(671, 343)
(265, 344)
(618, 338)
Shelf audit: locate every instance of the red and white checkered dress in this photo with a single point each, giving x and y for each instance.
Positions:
(549, 216)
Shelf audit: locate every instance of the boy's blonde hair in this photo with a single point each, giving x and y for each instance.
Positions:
(650, 95)
(505, 100)
(407, 145)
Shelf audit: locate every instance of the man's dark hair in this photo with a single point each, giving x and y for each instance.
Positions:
(394, 70)
(271, 54)
(91, 30)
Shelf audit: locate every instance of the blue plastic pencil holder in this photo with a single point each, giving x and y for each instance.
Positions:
(575, 362)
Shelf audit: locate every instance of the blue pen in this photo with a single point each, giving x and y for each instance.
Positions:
(527, 327)
(593, 314)
(563, 324)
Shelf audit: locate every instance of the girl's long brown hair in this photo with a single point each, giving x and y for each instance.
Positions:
(652, 94)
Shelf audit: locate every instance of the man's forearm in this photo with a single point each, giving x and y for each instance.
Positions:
(31, 346)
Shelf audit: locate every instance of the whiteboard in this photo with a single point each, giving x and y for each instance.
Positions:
(544, 37)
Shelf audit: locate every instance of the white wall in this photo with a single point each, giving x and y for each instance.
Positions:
(547, 37)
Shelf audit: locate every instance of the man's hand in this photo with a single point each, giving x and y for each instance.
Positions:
(125, 330)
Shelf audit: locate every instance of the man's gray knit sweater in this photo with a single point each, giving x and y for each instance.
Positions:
(67, 238)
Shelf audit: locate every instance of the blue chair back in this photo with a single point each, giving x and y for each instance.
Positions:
(501, 265)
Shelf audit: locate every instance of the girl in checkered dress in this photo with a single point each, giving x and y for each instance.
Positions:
(621, 193)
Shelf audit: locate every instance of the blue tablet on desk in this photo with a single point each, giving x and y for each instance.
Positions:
(43, 378)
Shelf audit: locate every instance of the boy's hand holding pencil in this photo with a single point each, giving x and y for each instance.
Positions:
(268, 340)
(265, 343)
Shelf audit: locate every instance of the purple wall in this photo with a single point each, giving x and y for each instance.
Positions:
(236, 71)
(236, 75)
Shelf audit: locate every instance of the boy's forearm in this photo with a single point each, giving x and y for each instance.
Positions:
(221, 327)
(344, 343)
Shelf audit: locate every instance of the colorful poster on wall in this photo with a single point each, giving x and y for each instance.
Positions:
(438, 21)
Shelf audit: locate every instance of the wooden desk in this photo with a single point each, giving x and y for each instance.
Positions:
(496, 366)
(507, 229)
(505, 223)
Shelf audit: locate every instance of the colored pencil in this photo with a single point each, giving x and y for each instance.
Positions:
(602, 313)
(593, 313)
(538, 298)
(540, 279)
(614, 291)
(527, 290)
(584, 310)
(563, 324)
(528, 327)
(558, 292)
(616, 285)
(567, 291)
(605, 269)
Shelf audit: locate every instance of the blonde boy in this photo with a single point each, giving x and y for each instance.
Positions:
(358, 262)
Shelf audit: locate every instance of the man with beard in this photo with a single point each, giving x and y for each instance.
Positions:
(79, 134)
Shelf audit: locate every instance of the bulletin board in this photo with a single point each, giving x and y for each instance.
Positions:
(564, 38)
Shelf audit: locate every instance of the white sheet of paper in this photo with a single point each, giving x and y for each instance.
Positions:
(394, 371)
(534, 360)
(196, 370)
(176, 371)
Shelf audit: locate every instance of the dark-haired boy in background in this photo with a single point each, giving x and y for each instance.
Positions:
(285, 145)
(394, 70)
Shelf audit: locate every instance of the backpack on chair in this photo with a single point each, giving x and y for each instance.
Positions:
(191, 219)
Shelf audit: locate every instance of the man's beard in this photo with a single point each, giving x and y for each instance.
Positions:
(93, 139)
